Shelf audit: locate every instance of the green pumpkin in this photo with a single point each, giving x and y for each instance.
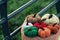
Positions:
(30, 31)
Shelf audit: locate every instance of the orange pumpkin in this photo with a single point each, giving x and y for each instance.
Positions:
(33, 18)
(44, 32)
(50, 26)
(55, 29)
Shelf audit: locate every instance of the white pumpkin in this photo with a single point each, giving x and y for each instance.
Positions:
(45, 16)
(47, 21)
(53, 19)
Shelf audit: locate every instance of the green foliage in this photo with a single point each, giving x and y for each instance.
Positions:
(17, 20)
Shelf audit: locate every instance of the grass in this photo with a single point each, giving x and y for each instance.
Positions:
(17, 20)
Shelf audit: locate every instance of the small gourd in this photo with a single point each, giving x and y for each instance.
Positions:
(39, 24)
(33, 18)
(50, 18)
(55, 29)
(44, 32)
(30, 31)
(50, 26)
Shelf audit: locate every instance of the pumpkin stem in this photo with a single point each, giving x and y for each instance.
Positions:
(29, 29)
(34, 15)
(27, 22)
(42, 28)
(43, 19)
(50, 16)
(54, 24)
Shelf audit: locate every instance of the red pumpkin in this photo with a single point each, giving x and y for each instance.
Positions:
(44, 32)
(39, 24)
(43, 24)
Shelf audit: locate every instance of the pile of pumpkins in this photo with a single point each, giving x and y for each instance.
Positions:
(42, 27)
